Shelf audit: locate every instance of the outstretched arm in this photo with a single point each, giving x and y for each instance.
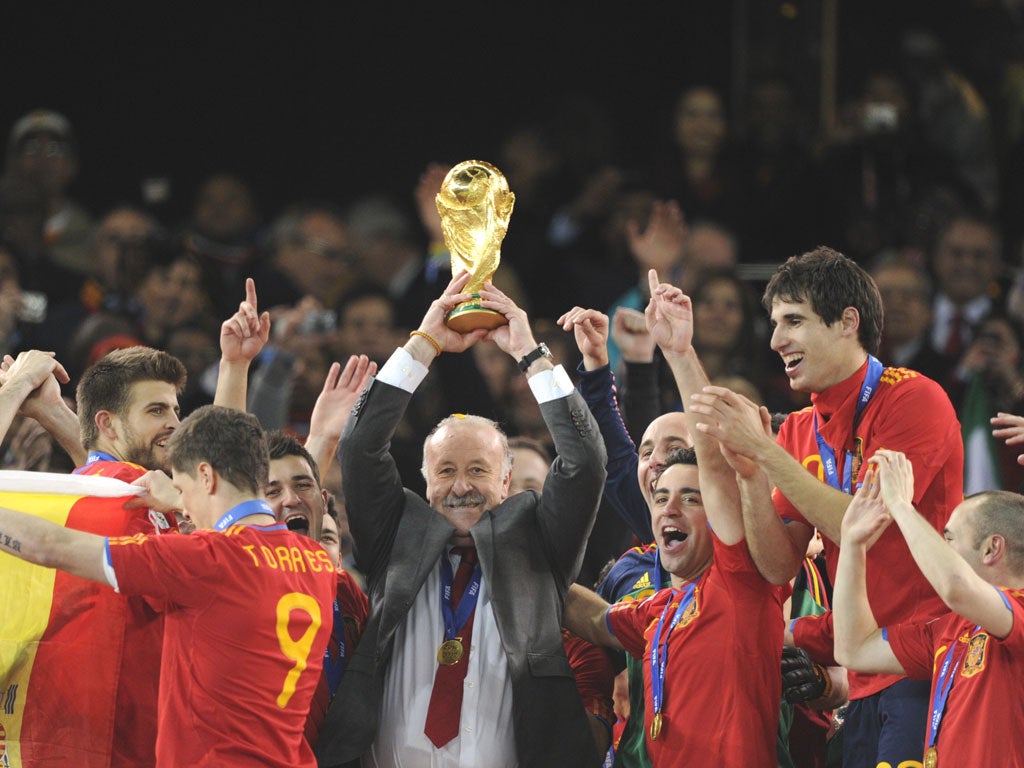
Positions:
(242, 337)
(859, 644)
(584, 615)
(1009, 428)
(960, 587)
(44, 543)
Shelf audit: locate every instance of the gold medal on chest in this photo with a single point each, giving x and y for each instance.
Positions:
(656, 726)
(450, 652)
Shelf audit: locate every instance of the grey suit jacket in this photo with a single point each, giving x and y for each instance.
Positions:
(530, 548)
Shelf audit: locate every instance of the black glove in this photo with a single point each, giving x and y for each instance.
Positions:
(803, 679)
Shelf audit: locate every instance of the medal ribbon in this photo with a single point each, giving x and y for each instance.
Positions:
(943, 686)
(334, 668)
(246, 508)
(456, 620)
(659, 648)
(93, 457)
(828, 457)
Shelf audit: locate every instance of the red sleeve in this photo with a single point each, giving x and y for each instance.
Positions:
(628, 621)
(815, 635)
(355, 608)
(595, 677)
(166, 567)
(914, 647)
(783, 506)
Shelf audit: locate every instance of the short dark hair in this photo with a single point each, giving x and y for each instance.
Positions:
(830, 282)
(106, 384)
(230, 441)
(1002, 513)
(281, 445)
(687, 456)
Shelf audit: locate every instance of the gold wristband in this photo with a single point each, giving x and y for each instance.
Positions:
(428, 337)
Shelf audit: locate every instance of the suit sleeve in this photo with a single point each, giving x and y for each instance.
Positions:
(568, 503)
(372, 487)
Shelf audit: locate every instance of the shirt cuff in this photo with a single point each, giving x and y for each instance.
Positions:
(402, 370)
(108, 565)
(551, 385)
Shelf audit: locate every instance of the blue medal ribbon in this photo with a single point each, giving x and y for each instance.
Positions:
(872, 377)
(246, 508)
(334, 668)
(659, 647)
(943, 685)
(92, 458)
(456, 620)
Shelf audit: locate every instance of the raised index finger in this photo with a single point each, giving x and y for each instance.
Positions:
(250, 292)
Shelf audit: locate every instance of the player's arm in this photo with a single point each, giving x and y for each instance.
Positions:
(586, 615)
(776, 547)
(242, 337)
(859, 643)
(50, 545)
(960, 587)
(330, 412)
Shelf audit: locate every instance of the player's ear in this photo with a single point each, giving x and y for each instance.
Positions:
(107, 424)
(850, 320)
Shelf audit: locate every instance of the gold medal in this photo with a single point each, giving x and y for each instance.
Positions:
(450, 652)
(931, 757)
(656, 726)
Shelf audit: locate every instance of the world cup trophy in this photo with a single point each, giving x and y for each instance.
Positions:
(475, 206)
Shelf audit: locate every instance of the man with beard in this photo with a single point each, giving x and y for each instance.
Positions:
(127, 411)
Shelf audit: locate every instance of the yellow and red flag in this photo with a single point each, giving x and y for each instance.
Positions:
(61, 636)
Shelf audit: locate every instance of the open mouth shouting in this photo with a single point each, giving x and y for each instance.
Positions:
(673, 538)
(298, 522)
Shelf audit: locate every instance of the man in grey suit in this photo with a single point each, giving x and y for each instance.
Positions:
(515, 700)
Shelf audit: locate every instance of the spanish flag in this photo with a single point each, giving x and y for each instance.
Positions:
(61, 637)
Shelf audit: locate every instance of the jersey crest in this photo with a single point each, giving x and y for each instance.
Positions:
(974, 661)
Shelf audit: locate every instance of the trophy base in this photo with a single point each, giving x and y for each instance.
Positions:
(471, 317)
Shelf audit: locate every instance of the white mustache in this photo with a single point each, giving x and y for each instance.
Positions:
(469, 500)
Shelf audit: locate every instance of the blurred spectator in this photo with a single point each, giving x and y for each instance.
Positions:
(310, 254)
(42, 151)
(19, 310)
(23, 215)
(778, 169)
(875, 169)
(728, 331)
(225, 230)
(366, 324)
(907, 293)
(990, 380)
(196, 343)
(701, 170)
(967, 266)
(171, 296)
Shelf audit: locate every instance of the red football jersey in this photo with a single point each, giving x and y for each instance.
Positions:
(134, 741)
(248, 616)
(722, 686)
(984, 708)
(908, 413)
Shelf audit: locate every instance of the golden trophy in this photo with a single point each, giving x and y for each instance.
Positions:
(475, 206)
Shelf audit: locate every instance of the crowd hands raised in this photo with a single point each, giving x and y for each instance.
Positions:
(720, 536)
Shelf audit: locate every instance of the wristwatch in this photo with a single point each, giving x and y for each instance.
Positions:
(541, 351)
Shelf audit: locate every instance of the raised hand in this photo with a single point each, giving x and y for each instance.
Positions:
(590, 328)
(867, 515)
(895, 477)
(661, 244)
(340, 391)
(630, 334)
(516, 338)
(1010, 429)
(669, 316)
(433, 323)
(38, 375)
(244, 334)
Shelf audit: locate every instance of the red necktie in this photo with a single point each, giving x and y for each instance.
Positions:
(445, 707)
(955, 339)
